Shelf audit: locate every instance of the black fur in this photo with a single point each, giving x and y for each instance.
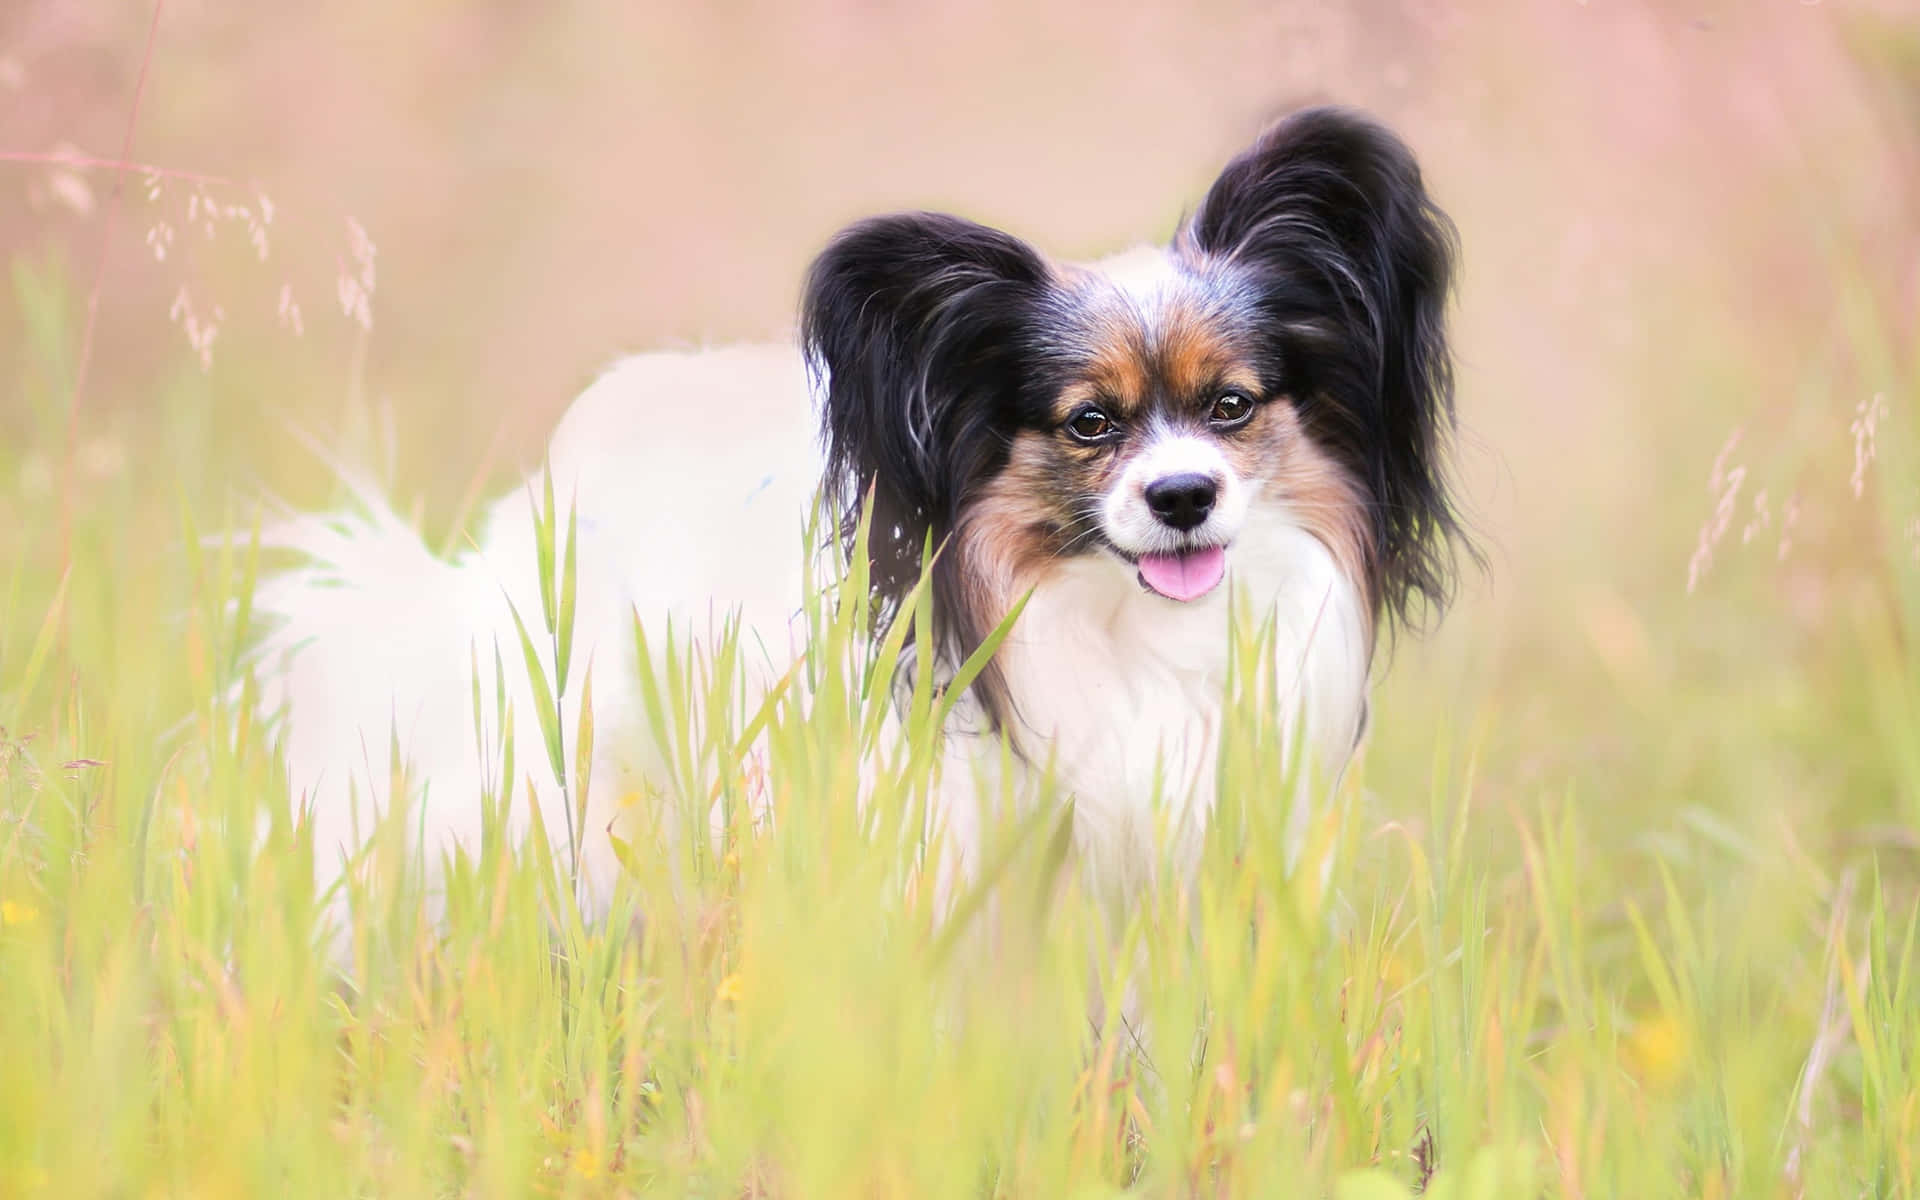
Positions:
(929, 336)
(919, 327)
(1353, 264)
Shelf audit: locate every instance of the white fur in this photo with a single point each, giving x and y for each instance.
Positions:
(1145, 275)
(1125, 687)
(1130, 523)
(693, 474)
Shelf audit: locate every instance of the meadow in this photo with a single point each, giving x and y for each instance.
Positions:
(1621, 899)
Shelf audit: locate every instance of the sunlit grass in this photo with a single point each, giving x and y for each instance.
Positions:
(1576, 983)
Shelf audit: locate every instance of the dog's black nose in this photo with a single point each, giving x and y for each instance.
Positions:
(1182, 501)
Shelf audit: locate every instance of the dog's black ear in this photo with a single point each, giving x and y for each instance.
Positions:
(915, 327)
(1353, 264)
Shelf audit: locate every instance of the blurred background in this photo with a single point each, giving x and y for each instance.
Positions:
(1691, 240)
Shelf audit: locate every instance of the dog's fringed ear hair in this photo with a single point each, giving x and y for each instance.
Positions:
(915, 327)
(1353, 264)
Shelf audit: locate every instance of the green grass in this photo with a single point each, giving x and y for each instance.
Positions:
(1630, 924)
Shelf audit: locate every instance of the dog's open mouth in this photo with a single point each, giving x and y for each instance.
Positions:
(1183, 575)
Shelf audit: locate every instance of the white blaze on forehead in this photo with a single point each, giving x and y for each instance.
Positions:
(1146, 279)
(1142, 274)
(1177, 454)
(1151, 279)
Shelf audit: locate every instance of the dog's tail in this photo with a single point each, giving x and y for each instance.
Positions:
(373, 652)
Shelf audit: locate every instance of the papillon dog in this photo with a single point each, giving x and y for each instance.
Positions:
(1251, 419)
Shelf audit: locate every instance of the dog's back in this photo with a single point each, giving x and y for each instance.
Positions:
(691, 477)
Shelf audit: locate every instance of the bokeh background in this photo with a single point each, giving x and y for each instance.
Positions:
(1691, 240)
(1634, 853)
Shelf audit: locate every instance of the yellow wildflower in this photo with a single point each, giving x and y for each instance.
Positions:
(1657, 1048)
(18, 912)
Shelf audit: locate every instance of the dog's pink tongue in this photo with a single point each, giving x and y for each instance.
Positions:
(1186, 576)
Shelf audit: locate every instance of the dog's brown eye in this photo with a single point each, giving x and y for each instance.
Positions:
(1231, 408)
(1089, 425)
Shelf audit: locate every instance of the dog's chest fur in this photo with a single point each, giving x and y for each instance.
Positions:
(1122, 692)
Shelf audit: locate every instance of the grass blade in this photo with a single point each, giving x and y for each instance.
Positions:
(545, 710)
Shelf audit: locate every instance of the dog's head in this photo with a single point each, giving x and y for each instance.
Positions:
(1287, 347)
